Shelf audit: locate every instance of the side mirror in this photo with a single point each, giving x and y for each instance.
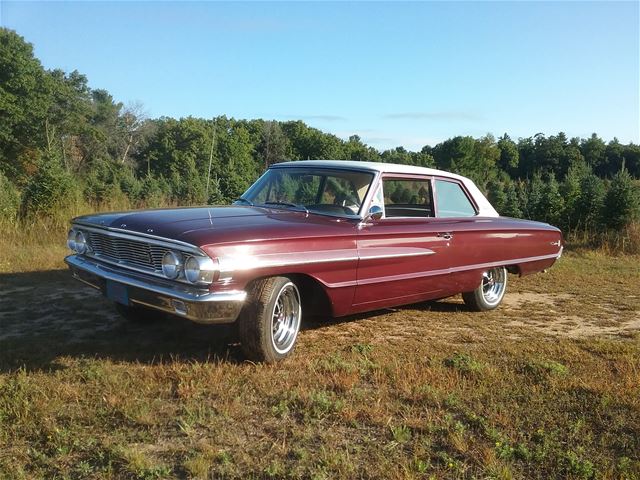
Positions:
(375, 213)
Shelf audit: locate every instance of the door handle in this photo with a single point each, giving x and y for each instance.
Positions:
(445, 235)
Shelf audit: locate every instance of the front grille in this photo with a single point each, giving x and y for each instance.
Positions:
(137, 254)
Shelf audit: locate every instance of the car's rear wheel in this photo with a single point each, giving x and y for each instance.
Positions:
(137, 314)
(269, 323)
(490, 292)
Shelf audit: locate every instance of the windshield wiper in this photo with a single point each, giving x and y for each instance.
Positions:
(286, 204)
(242, 199)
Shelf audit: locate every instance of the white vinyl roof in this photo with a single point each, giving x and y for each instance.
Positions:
(373, 166)
(485, 208)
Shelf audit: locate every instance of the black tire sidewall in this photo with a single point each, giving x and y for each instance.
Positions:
(475, 299)
(254, 324)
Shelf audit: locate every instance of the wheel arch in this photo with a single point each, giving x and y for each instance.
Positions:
(314, 296)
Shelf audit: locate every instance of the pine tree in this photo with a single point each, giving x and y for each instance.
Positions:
(589, 203)
(532, 206)
(512, 201)
(551, 205)
(497, 195)
(621, 201)
(570, 191)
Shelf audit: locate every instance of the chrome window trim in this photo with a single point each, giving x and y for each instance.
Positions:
(465, 192)
(365, 200)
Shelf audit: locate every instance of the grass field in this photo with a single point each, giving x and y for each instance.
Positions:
(548, 386)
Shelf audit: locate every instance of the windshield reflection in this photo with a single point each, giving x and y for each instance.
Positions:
(323, 191)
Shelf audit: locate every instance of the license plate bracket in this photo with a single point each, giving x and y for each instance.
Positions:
(117, 292)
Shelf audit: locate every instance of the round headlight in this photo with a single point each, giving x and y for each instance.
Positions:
(200, 270)
(71, 240)
(81, 243)
(171, 265)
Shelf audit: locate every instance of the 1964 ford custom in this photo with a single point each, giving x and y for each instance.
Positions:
(328, 237)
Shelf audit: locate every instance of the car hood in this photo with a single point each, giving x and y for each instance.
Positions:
(206, 225)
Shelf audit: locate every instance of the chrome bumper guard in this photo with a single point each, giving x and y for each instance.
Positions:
(198, 305)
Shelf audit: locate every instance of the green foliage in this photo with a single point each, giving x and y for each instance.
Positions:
(108, 179)
(155, 191)
(509, 154)
(590, 202)
(543, 370)
(621, 203)
(23, 99)
(497, 195)
(570, 191)
(400, 433)
(512, 202)
(476, 159)
(49, 190)
(9, 200)
(464, 363)
(550, 205)
(58, 136)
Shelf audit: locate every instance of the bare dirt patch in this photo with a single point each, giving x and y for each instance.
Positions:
(569, 315)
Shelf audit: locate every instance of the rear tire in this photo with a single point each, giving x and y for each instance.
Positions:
(269, 323)
(490, 292)
(138, 315)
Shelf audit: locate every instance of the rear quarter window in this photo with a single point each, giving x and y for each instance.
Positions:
(452, 201)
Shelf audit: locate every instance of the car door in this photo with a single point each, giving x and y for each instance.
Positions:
(403, 256)
(471, 240)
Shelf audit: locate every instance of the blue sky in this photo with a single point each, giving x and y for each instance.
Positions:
(394, 73)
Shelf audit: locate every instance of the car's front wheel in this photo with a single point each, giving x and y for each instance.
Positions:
(490, 292)
(269, 323)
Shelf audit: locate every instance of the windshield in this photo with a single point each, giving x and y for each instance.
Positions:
(330, 192)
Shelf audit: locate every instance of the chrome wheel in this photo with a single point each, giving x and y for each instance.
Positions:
(494, 282)
(285, 318)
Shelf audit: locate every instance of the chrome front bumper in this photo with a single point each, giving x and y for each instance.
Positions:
(199, 305)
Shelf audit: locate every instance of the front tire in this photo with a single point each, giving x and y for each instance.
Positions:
(490, 292)
(269, 323)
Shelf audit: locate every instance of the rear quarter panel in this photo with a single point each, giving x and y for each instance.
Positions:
(479, 243)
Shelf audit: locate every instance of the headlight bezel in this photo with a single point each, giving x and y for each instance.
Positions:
(80, 243)
(71, 239)
(200, 270)
(175, 262)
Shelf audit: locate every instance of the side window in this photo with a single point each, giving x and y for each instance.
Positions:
(452, 201)
(407, 197)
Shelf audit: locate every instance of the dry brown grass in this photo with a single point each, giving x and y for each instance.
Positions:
(546, 387)
(623, 242)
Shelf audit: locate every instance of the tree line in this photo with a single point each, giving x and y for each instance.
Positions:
(63, 142)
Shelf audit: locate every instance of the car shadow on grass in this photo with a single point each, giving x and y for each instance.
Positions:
(448, 305)
(46, 315)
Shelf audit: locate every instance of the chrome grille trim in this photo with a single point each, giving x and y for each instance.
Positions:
(153, 239)
(137, 252)
(127, 251)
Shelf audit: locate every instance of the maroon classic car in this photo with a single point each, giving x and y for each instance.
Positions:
(325, 237)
